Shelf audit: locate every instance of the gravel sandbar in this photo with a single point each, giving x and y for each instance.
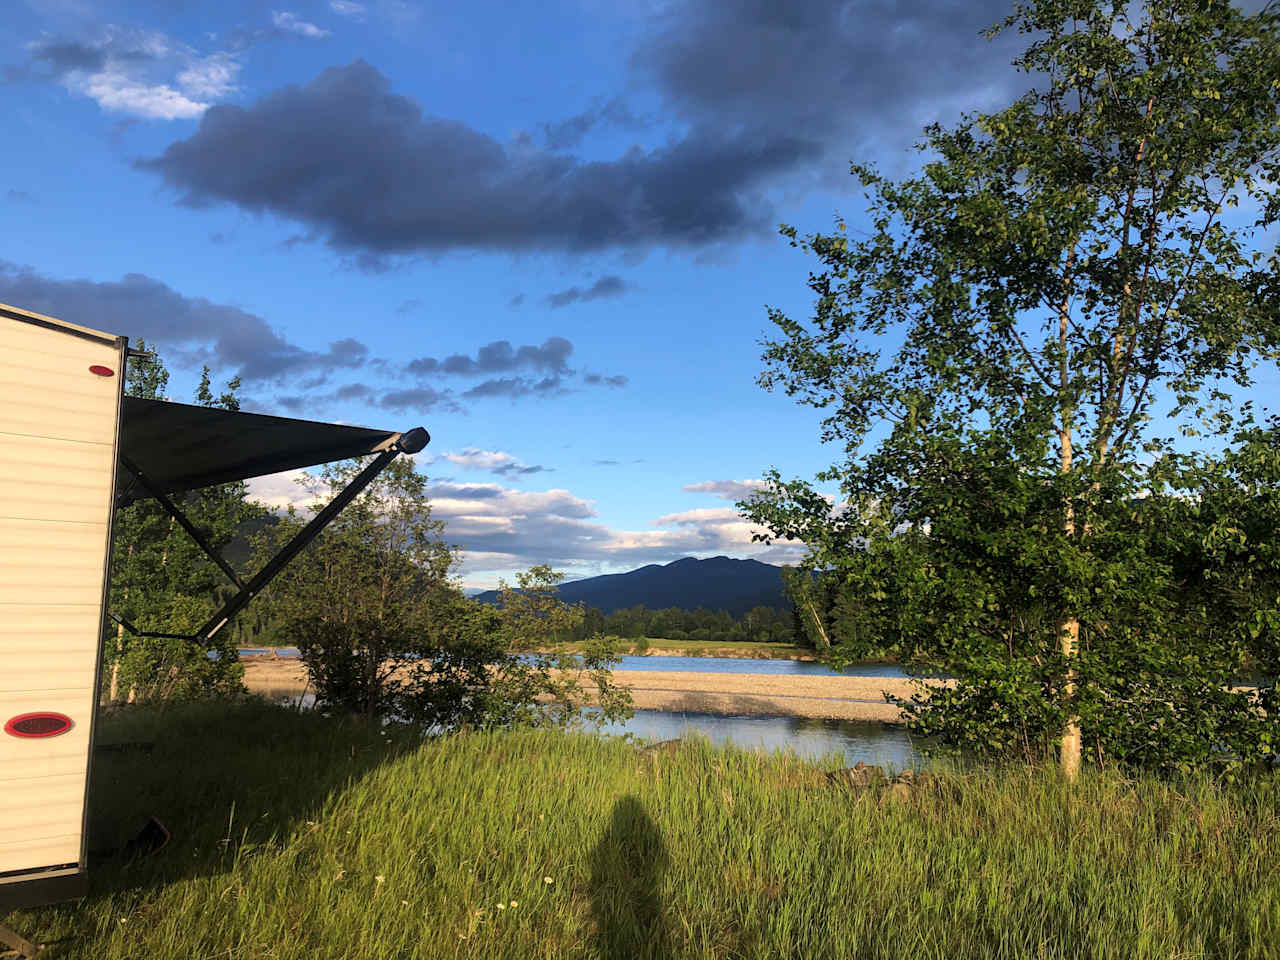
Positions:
(841, 698)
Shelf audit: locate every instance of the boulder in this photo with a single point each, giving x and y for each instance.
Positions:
(895, 793)
(662, 746)
(860, 776)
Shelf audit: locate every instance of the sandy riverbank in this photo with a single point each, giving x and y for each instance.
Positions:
(840, 698)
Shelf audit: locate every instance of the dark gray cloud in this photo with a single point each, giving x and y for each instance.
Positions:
(56, 57)
(420, 399)
(408, 306)
(516, 387)
(569, 133)
(846, 75)
(63, 55)
(191, 331)
(434, 184)
(516, 300)
(760, 96)
(500, 357)
(69, 55)
(194, 329)
(517, 470)
(595, 379)
(466, 491)
(607, 286)
(415, 400)
(497, 462)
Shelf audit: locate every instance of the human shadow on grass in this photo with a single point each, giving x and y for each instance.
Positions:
(626, 873)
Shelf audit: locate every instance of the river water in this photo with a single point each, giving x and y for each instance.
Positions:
(711, 665)
(841, 741)
(850, 742)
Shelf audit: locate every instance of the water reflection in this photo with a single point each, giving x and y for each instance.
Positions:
(844, 742)
(849, 741)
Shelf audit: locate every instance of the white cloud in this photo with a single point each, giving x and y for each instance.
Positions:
(495, 461)
(115, 91)
(473, 459)
(146, 73)
(702, 515)
(346, 8)
(280, 490)
(290, 22)
(501, 529)
(211, 77)
(728, 489)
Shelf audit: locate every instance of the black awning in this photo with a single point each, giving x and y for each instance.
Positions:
(177, 446)
(170, 447)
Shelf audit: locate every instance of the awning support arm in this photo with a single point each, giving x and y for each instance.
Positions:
(22, 947)
(410, 442)
(171, 508)
(146, 633)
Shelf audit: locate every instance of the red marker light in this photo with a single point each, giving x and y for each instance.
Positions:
(31, 725)
(102, 371)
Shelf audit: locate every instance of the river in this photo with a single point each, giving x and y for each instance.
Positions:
(708, 665)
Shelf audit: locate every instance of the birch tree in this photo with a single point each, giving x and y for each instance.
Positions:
(1068, 286)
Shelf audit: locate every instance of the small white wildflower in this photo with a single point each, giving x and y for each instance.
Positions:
(379, 878)
(502, 906)
(124, 919)
(515, 903)
(546, 880)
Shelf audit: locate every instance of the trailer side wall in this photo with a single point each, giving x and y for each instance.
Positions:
(60, 390)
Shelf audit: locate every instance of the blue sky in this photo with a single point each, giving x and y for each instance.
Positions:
(546, 232)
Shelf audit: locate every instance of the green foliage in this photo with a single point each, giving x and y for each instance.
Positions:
(1060, 276)
(532, 613)
(162, 582)
(385, 632)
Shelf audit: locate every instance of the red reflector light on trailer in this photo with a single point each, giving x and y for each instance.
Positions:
(30, 725)
(102, 371)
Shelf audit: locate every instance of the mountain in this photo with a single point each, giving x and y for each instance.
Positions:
(718, 583)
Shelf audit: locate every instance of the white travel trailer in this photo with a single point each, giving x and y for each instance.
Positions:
(73, 447)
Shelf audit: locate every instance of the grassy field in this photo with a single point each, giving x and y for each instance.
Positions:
(298, 836)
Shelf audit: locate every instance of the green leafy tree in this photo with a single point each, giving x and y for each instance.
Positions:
(810, 597)
(384, 630)
(161, 580)
(357, 601)
(996, 353)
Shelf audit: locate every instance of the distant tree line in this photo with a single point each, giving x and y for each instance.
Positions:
(760, 624)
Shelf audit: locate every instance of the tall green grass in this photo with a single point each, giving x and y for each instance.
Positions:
(299, 836)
